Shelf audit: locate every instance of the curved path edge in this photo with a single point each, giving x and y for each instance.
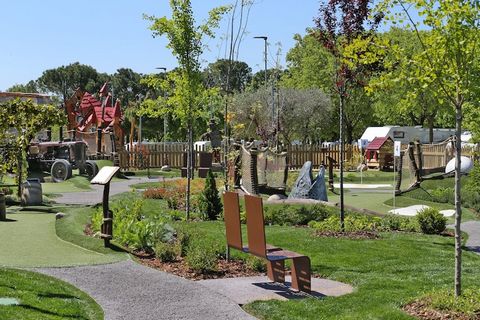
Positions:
(128, 290)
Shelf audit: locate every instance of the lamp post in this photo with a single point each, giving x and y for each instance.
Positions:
(265, 55)
(165, 121)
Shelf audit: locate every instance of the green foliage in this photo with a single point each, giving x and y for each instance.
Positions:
(209, 204)
(290, 215)
(468, 303)
(166, 251)
(134, 230)
(256, 264)
(394, 222)
(431, 221)
(201, 257)
(352, 223)
(473, 182)
(65, 80)
(21, 121)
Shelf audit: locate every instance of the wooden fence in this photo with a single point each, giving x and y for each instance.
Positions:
(299, 154)
(154, 156)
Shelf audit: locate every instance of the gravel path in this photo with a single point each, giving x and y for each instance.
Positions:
(95, 196)
(127, 290)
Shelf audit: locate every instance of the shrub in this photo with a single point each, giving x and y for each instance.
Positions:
(353, 222)
(468, 303)
(294, 215)
(165, 251)
(393, 222)
(431, 221)
(201, 257)
(155, 193)
(256, 264)
(210, 204)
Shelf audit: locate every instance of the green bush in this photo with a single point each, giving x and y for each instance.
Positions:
(393, 222)
(431, 221)
(209, 203)
(165, 251)
(288, 215)
(201, 257)
(353, 222)
(256, 264)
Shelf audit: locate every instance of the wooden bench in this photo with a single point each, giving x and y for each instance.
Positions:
(301, 274)
(233, 230)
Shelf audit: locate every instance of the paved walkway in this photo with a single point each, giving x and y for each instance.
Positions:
(473, 230)
(127, 290)
(95, 196)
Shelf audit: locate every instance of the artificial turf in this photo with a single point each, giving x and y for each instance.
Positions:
(29, 240)
(44, 297)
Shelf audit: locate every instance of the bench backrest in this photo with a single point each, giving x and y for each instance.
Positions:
(231, 212)
(255, 226)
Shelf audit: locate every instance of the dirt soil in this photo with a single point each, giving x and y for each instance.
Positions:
(421, 310)
(231, 269)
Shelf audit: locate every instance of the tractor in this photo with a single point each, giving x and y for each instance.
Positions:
(60, 158)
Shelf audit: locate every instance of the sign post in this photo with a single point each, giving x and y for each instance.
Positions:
(397, 145)
(104, 177)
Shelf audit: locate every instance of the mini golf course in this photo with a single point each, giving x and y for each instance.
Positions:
(29, 240)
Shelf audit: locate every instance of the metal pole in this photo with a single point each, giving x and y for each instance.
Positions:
(265, 56)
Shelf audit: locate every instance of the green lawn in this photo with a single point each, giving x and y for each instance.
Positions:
(44, 297)
(386, 273)
(29, 240)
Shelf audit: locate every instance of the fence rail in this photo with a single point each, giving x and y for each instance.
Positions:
(157, 155)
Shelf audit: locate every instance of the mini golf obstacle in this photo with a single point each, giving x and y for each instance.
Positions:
(262, 171)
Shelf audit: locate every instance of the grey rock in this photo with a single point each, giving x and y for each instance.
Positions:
(165, 168)
(318, 191)
(304, 182)
(276, 197)
(362, 167)
(59, 215)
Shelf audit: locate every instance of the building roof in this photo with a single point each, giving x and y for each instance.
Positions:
(94, 112)
(377, 143)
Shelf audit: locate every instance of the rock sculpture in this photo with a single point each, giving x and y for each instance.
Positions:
(306, 187)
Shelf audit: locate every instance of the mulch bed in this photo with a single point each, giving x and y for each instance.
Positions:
(421, 310)
(355, 235)
(231, 269)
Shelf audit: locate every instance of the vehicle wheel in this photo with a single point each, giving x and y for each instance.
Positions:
(91, 169)
(61, 170)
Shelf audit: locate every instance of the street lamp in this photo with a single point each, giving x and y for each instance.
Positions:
(265, 54)
(165, 119)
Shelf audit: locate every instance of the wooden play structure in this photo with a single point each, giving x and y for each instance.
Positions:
(97, 121)
(379, 153)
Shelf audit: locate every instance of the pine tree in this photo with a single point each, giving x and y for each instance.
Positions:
(210, 204)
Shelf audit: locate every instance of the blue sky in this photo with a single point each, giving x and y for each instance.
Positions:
(110, 34)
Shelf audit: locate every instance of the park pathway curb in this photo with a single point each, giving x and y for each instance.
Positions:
(128, 290)
(472, 228)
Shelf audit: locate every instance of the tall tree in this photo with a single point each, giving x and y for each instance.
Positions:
(29, 87)
(216, 75)
(340, 22)
(185, 43)
(448, 59)
(64, 80)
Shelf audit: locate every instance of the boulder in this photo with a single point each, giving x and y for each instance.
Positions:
(59, 215)
(318, 190)
(466, 165)
(165, 168)
(362, 167)
(276, 197)
(303, 184)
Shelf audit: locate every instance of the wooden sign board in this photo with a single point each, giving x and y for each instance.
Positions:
(105, 175)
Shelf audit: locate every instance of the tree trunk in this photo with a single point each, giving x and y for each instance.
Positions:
(458, 203)
(189, 170)
(342, 204)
